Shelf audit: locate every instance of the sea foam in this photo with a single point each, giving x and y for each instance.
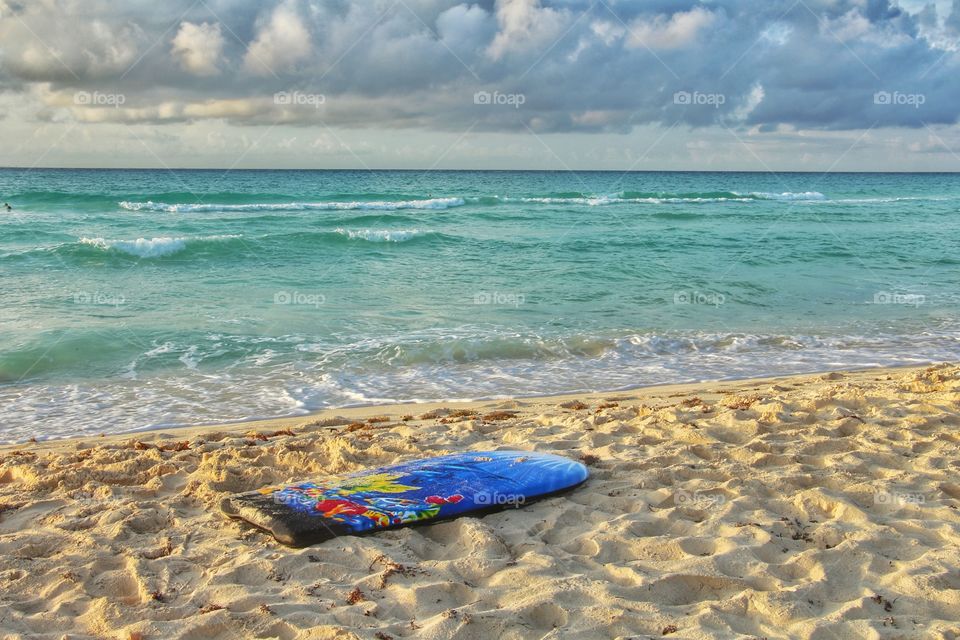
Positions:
(449, 202)
(382, 235)
(375, 205)
(149, 247)
(787, 195)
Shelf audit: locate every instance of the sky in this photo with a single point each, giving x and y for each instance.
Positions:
(799, 85)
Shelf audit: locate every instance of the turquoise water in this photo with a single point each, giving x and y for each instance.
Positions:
(142, 298)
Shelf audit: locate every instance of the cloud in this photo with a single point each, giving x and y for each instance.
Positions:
(198, 48)
(174, 111)
(465, 28)
(38, 47)
(669, 32)
(281, 42)
(524, 24)
(750, 102)
(580, 66)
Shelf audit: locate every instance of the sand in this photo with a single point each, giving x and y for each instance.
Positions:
(808, 507)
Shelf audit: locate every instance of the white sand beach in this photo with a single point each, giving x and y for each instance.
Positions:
(819, 506)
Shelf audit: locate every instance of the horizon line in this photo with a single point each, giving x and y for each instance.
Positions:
(433, 170)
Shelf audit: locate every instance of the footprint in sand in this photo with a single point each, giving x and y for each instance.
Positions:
(120, 585)
(28, 516)
(679, 590)
(545, 616)
(706, 546)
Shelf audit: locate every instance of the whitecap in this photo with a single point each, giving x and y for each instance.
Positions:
(375, 205)
(149, 247)
(788, 195)
(382, 235)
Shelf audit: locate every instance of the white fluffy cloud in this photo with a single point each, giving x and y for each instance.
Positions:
(524, 24)
(669, 32)
(199, 47)
(280, 44)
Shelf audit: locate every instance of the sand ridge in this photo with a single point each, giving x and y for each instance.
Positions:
(816, 506)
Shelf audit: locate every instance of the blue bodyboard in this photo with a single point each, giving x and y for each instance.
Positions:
(416, 492)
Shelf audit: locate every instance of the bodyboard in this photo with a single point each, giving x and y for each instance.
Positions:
(414, 492)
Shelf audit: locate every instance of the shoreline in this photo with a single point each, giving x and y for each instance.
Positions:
(363, 412)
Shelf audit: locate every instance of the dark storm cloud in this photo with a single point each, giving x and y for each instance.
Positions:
(505, 65)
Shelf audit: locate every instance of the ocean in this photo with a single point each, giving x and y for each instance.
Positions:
(143, 298)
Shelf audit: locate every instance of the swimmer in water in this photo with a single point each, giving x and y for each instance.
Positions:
(7, 206)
